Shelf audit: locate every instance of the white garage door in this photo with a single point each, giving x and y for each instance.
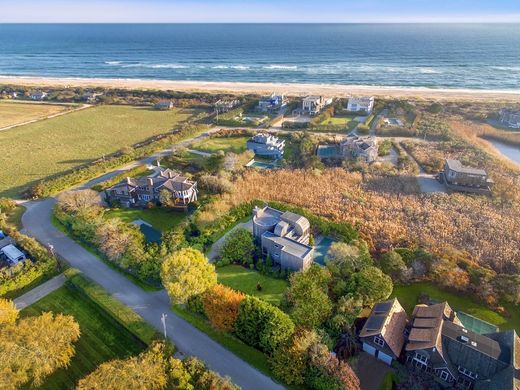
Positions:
(368, 348)
(385, 358)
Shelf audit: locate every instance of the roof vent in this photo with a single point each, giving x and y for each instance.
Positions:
(464, 330)
(464, 339)
(473, 343)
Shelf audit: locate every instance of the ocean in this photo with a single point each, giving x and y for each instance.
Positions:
(472, 56)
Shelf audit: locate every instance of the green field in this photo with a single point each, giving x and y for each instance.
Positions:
(160, 218)
(13, 113)
(408, 296)
(46, 148)
(102, 338)
(241, 279)
(227, 144)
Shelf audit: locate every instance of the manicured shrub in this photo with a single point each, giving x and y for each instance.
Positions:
(238, 247)
(262, 325)
(221, 306)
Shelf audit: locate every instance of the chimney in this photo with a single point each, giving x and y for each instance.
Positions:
(150, 182)
(170, 174)
(158, 162)
(128, 180)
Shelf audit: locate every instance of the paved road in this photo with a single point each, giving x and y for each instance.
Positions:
(39, 292)
(150, 305)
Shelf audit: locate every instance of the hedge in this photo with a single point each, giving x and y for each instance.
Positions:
(125, 316)
(134, 172)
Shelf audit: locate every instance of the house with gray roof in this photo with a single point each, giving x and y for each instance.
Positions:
(458, 177)
(164, 105)
(139, 192)
(383, 335)
(266, 145)
(439, 346)
(284, 236)
(359, 148)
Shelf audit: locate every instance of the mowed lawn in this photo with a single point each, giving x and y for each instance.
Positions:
(160, 218)
(226, 144)
(46, 148)
(241, 279)
(13, 113)
(408, 296)
(101, 337)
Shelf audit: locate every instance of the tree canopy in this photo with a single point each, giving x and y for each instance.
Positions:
(186, 273)
(238, 247)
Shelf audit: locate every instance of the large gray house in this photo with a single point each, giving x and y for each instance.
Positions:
(441, 347)
(359, 148)
(138, 192)
(266, 145)
(458, 177)
(284, 236)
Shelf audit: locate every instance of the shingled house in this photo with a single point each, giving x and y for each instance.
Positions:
(383, 335)
(266, 145)
(284, 236)
(356, 147)
(138, 192)
(458, 177)
(439, 346)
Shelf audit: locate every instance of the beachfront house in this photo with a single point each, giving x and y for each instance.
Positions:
(266, 145)
(164, 105)
(90, 97)
(441, 348)
(225, 105)
(38, 95)
(313, 105)
(364, 104)
(383, 334)
(458, 177)
(284, 236)
(271, 103)
(141, 191)
(510, 118)
(359, 148)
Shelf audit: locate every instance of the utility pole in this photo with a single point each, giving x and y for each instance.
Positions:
(163, 321)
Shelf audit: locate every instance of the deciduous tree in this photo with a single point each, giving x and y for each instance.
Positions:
(371, 285)
(221, 305)
(238, 247)
(186, 273)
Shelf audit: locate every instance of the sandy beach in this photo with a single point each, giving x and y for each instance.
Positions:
(262, 88)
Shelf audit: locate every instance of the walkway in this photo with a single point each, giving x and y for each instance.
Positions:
(149, 305)
(39, 292)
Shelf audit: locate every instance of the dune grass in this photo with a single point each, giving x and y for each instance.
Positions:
(14, 113)
(46, 148)
(241, 279)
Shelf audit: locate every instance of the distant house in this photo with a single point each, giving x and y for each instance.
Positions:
(383, 335)
(284, 236)
(90, 97)
(164, 105)
(439, 346)
(38, 95)
(138, 192)
(225, 105)
(466, 179)
(510, 118)
(271, 103)
(313, 105)
(266, 145)
(12, 254)
(363, 104)
(356, 147)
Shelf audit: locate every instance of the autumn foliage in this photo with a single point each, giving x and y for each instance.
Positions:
(221, 305)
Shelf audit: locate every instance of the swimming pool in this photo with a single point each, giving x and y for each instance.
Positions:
(328, 151)
(261, 164)
(321, 249)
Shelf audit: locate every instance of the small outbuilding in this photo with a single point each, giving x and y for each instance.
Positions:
(12, 254)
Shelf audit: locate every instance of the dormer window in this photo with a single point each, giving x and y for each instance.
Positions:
(379, 341)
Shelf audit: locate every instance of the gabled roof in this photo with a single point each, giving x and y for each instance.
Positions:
(387, 319)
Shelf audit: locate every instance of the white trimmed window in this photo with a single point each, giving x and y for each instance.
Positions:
(379, 341)
(444, 376)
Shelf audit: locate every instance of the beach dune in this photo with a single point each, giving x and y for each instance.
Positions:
(262, 88)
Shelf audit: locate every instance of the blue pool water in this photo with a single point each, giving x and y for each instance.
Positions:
(478, 56)
(320, 250)
(327, 151)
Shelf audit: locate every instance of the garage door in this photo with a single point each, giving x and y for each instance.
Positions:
(368, 348)
(385, 358)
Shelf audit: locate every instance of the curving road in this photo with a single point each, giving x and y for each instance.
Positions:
(150, 305)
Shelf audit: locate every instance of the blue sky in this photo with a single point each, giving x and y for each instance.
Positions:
(259, 11)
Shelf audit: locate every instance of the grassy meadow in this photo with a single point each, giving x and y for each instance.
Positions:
(160, 218)
(227, 144)
(46, 148)
(241, 279)
(101, 339)
(13, 113)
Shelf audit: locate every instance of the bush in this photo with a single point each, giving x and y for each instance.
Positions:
(7, 205)
(238, 247)
(262, 325)
(371, 285)
(221, 306)
(215, 184)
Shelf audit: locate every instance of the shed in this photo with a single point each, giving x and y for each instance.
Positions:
(13, 254)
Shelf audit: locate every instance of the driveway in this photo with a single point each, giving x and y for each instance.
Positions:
(149, 305)
(39, 292)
